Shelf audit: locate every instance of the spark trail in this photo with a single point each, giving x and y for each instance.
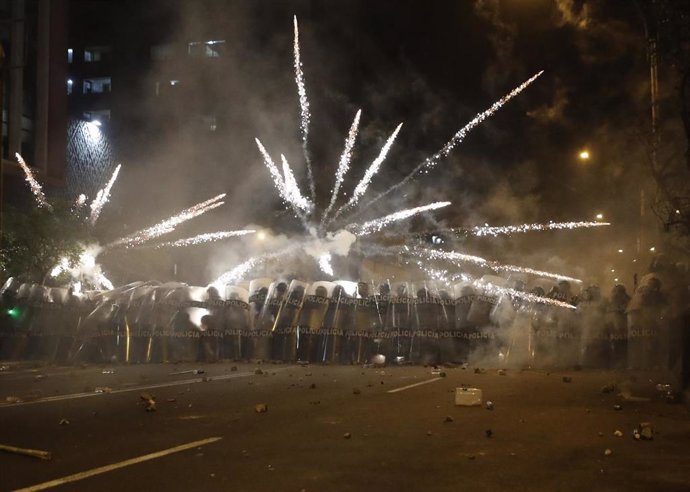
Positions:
(239, 272)
(493, 289)
(432, 161)
(343, 164)
(292, 188)
(168, 225)
(207, 237)
(36, 187)
(102, 197)
(280, 182)
(305, 116)
(458, 258)
(363, 185)
(376, 225)
(493, 231)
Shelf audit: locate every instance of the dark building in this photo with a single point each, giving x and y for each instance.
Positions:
(33, 37)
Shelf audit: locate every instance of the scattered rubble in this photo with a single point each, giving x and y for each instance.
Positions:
(567, 379)
(103, 389)
(502, 372)
(347, 435)
(608, 452)
(356, 391)
(261, 408)
(258, 372)
(35, 453)
(233, 369)
(448, 418)
(645, 431)
(489, 405)
(608, 388)
(488, 433)
(618, 433)
(108, 371)
(13, 399)
(64, 422)
(617, 407)
(149, 400)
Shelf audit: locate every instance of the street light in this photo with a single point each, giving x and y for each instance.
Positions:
(600, 216)
(584, 155)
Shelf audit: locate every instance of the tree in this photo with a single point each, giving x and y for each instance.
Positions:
(667, 27)
(35, 240)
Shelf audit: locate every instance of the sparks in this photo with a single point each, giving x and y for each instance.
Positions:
(102, 197)
(459, 136)
(278, 180)
(203, 238)
(363, 185)
(168, 225)
(36, 187)
(305, 116)
(343, 164)
(480, 231)
(292, 189)
(376, 225)
(459, 258)
(239, 272)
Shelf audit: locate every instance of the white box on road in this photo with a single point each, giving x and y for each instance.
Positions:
(468, 397)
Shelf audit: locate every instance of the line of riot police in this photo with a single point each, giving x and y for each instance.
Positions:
(344, 322)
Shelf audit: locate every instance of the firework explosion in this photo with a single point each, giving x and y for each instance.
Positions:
(319, 239)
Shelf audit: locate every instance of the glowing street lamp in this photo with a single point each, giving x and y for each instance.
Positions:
(600, 216)
(584, 155)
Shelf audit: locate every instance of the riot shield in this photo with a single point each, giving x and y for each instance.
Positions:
(617, 327)
(235, 322)
(425, 317)
(383, 329)
(445, 321)
(595, 340)
(402, 322)
(466, 333)
(338, 318)
(311, 320)
(285, 328)
(483, 348)
(265, 300)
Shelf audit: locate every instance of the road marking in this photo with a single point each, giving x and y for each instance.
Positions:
(413, 385)
(75, 396)
(115, 466)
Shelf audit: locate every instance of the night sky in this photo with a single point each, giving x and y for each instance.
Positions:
(432, 66)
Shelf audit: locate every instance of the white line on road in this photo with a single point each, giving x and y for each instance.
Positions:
(414, 385)
(115, 466)
(75, 396)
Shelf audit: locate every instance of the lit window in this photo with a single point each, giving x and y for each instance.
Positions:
(208, 49)
(96, 53)
(174, 82)
(70, 86)
(70, 55)
(97, 86)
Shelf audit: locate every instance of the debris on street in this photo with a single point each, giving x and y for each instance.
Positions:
(261, 408)
(35, 453)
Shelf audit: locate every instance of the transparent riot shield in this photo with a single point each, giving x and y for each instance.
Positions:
(594, 340)
(338, 318)
(311, 320)
(617, 326)
(483, 349)
(383, 330)
(265, 299)
(402, 300)
(360, 337)
(465, 331)
(441, 293)
(235, 323)
(285, 328)
(138, 324)
(426, 315)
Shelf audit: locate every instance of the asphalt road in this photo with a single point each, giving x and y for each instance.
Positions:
(546, 434)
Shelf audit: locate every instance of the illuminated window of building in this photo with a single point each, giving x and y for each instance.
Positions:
(208, 49)
(70, 55)
(97, 86)
(70, 86)
(96, 53)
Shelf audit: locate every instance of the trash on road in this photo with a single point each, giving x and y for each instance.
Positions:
(13, 399)
(468, 397)
(149, 400)
(108, 371)
(261, 408)
(609, 388)
(448, 418)
(567, 379)
(191, 371)
(103, 389)
(608, 452)
(489, 405)
(347, 435)
(356, 391)
(645, 431)
(64, 422)
(35, 453)
(618, 433)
